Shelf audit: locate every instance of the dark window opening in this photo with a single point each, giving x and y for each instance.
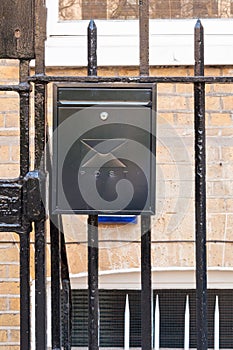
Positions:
(172, 305)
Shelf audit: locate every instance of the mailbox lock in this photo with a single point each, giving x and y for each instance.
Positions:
(97, 173)
(104, 115)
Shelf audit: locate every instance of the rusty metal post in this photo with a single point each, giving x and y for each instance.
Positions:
(40, 142)
(66, 289)
(93, 291)
(93, 251)
(55, 283)
(25, 313)
(200, 192)
(146, 292)
(144, 36)
(92, 49)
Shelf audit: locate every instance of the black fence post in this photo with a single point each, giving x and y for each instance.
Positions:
(200, 192)
(55, 283)
(146, 292)
(25, 314)
(66, 290)
(93, 251)
(144, 36)
(93, 292)
(40, 101)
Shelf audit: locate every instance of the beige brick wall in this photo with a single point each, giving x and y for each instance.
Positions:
(9, 121)
(173, 225)
(9, 291)
(9, 249)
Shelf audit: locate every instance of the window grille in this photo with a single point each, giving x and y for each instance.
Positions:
(172, 304)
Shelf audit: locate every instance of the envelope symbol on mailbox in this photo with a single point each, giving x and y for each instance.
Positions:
(101, 151)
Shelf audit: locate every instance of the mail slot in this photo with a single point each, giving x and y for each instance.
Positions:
(104, 149)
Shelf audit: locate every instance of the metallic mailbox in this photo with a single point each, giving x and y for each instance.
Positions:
(104, 149)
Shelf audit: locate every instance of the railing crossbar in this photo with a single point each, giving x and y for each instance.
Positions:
(133, 79)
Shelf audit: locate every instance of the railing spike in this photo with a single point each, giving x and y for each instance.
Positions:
(198, 24)
(92, 25)
(92, 48)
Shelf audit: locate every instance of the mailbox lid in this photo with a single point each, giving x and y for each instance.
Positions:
(102, 95)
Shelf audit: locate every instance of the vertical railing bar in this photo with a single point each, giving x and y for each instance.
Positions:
(216, 324)
(93, 292)
(55, 284)
(25, 313)
(55, 259)
(40, 35)
(40, 141)
(146, 329)
(157, 324)
(144, 36)
(40, 125)
(66, 288)
(66, 314)
(146, 282)
(24, 68)
(127, 324)
(99, 326)
(40, 287)
(152, 321)
(25, 324)
(40, 230)
(93, 250)
(186, 324)
(200, 193)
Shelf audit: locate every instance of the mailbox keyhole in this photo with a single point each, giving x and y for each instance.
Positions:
(17, 33)
(97, 173)
(104, 115)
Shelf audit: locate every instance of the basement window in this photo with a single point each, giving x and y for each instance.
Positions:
(171, 32)
(173, 305)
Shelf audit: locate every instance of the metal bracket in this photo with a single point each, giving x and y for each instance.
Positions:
(10, 205)
(21, 201)
(34, 184)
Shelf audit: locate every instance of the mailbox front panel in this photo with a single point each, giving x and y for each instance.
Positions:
(104, 149)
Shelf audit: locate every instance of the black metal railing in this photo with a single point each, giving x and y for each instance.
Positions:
(25, 190)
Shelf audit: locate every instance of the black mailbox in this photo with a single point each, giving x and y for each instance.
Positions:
(104, 149)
